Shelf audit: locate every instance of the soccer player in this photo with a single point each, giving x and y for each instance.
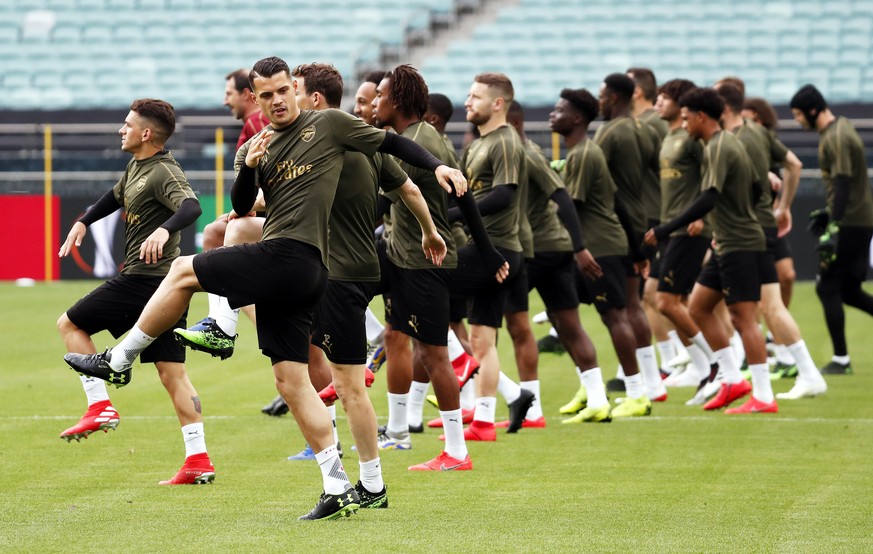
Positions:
(683, 252)
(557, 245)
(420, 292)
(733, 274)
(623, 142)
(759, 147)
(231, 228)
(846, 228)
(297, 160)
(760, 111)
(603, 280)
(494, 164)
(340, 328)
(643, 110)
(158, 203)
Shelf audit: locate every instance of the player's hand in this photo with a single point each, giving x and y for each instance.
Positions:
(434, 248)
(258, 148)
(783, 221)
(650, 238)
(775, 182)
(588, 265)
(695, 228)
(641, 268)
(74, 237)
(153, 247)
(446, 174)
(502, 272)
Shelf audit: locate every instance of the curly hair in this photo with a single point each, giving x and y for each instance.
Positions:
(408, 90)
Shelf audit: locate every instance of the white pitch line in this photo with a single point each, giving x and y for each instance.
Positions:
(768, 419)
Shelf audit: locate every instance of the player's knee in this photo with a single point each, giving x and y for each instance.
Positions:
(213, 234)
(64, 324)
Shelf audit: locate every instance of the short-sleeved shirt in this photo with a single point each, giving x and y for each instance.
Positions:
(589, 183)
(726, 168)
(841, 152)
(493, 160)
(253, 123)
(620, 142)
(653, 129)
(681, 157)
(352, 241)
(756, 139)
(301, 169)
(151, 190)
(404, 242)
(549, 234)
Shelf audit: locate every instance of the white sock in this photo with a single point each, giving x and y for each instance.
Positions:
(371, 475)
(699, 361)
(195, 439)
(806, 369)
(761, 388)
(225, 316)
(840, 359)
(579, 373)
(397, 408)
(212, 300)
(454, 345)
(633, 384)
(417, 392)
(677, 342)
(728, 365)
(456, 446)
(700, 341)
(332, 411)
(485, 408)
(375, 330)
(129, 348)
(95, 389)
(783, 355)
(619, 373)
(508, 389)
(468, 395)
(667, 351)
(737, 343)
(553, 332)
(333, 474)
(649, 369)
(593, 381)
(536, 409)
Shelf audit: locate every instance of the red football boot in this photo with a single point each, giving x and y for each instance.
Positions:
(101, 416)
(197, 470)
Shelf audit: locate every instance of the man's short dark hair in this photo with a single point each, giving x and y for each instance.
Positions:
(733, 97)
(440, 105)
(322, 78)
(267, 67)
(621, 85)
(675, 88)
(733, 80)
(644, 78)
(240, 79)
(499, 82)
(374, 77)
(703, 100)
(515, 112)
(159, 115)
(765, 112)
(583, 101)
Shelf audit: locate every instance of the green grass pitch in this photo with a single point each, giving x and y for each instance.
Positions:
(681, 480)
